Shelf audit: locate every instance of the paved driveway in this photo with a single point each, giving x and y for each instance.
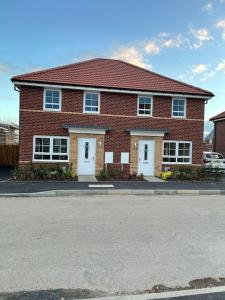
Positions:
(110, 243)
(5, 173)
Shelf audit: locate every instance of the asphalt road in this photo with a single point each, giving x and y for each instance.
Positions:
(110, 243)
(215, 296)
(31, 187)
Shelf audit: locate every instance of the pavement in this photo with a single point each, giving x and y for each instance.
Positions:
(110, 243)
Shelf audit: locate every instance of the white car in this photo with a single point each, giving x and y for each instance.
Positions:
(214, 160)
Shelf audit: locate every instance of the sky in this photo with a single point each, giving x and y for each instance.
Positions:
(181, 39)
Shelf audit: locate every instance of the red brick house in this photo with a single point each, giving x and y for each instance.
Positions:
(105, 111)
(219, 133)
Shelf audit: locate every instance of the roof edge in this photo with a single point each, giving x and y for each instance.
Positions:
(112, 89)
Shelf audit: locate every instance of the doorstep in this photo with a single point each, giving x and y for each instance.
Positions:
(87, 178)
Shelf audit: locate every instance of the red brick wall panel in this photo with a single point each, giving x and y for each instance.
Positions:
(219, 140)
(38, 122)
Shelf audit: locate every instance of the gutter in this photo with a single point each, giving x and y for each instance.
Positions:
(111, 90)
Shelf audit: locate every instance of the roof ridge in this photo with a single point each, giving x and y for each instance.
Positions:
(55, 68)
(163, 76)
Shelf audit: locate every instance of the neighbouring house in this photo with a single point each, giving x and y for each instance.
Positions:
(8, 133)
(208, 141)
(219, 133)
(105, 112)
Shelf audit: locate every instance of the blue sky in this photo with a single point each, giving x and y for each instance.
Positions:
(178, 38)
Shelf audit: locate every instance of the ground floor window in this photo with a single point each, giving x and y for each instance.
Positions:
(177, 152)
(46, 148)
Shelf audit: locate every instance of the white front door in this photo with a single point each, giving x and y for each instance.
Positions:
(146, 153)
(86, 156)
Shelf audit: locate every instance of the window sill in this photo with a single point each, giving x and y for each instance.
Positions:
(50, 161)
(53, 110)
(174, 117)
(176, 163)
(145, 116)
(91, 113)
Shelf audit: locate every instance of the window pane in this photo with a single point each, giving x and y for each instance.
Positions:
(46, 141)
(56, 94)
(146, 152)
(63, 142)
(48, 99)
(56, 100)
(94, 103)
(144, 106)
(88, 102)
(178, 107)
(86, 150)
(37, 156)
(45, 149)
(48, 93)
(91, 102)
(94, 109)
(63, 157)
(52, 99)
(95, 97)
(46, 157)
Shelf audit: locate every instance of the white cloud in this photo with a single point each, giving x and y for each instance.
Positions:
(131, 55)
(4, 68)
(163, 34)
(173, 42)
(208, 7)
(151, 47)
(201, 68)
(221, 66)
(201, 36)
(208, 75)
(221, 25)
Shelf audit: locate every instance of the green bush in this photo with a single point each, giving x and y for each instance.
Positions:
(110, 173)
(32, 172)
(189, 172)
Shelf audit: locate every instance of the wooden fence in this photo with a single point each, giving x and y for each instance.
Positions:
(9, 155)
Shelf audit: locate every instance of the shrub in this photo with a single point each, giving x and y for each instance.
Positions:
(111, 173)
(189, 172)
(32, 172)
(134, 176)
(104, 174)
(166, 175)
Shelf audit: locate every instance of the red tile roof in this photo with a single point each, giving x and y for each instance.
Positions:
(219, 116)
(109, 73)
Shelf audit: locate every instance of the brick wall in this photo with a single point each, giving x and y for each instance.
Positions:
(118, 111)
(219, 138)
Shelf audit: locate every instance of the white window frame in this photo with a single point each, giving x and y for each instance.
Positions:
(51, 149)
(151, 112)
(60, 99)
(185, 108)
(99, 101)
(176, 156)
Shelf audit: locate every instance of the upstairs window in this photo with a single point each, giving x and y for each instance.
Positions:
(175, 152)
(179, 108)
(144, 106)
(47, 148)
(52, 100)
(91, 103)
